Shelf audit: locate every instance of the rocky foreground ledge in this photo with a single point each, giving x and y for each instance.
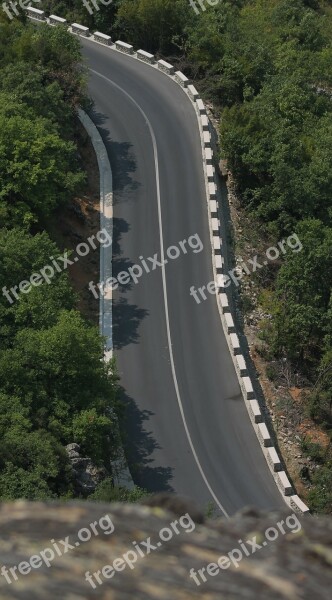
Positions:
(296, 565)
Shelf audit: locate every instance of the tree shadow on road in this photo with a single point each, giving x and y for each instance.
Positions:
(126, 316)
(139, 445)
(122, 161)
(126, 320)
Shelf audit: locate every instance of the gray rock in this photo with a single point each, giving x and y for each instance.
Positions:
(296, 566)
(86, 474)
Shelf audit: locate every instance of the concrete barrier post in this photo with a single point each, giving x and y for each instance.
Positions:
(146, 57)
(80, 29)
(35, 13)
(123, 47)
(54, 20)
(102, 38)
(181, 79)
(165, 67)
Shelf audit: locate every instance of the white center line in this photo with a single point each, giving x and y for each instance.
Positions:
(155, 152)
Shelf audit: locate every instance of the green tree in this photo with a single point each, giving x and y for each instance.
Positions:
(16, 483)
(56, 50)
(303, 289)
(21, 255)
(156, 25)
(93, 432)
(38, 169)
(29, 84)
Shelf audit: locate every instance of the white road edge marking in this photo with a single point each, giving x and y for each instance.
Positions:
(155, 152)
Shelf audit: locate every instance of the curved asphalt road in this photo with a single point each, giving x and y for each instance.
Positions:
(188, 428)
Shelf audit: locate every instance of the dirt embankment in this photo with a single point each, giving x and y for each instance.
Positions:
(76, 223)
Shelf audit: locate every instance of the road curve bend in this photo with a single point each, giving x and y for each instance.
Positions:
(188, 429)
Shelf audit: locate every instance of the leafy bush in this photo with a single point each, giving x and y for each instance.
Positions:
(107, 492)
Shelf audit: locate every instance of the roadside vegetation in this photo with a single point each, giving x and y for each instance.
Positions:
(273, 82)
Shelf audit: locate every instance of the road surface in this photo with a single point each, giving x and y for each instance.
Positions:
(188, 430)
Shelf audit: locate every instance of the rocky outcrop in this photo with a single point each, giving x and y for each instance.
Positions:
(296, 565)
(86, 475)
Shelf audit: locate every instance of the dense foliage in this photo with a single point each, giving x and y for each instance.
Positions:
(55, 387)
